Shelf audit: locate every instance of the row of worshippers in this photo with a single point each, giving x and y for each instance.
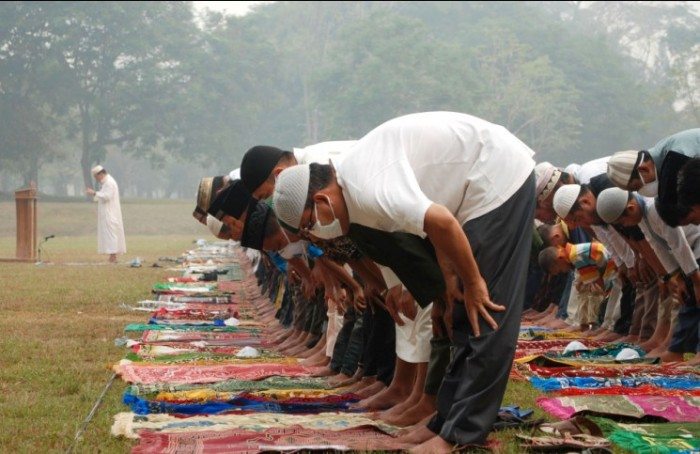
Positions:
(618, 248)
(402, 261)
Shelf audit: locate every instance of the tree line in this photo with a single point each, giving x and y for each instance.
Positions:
(153, 81)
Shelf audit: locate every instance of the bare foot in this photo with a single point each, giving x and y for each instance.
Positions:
(325, 372)
(385, 399)
(341, 380)
(435, 445)
(671, 357)
(416, 435)
(695, 361)
(371, 390)
(423, 409)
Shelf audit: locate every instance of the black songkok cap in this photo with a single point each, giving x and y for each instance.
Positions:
(257, 165)
(253, 234)
(231, 201)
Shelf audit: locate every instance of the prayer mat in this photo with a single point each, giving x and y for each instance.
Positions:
(182, 374)
(674, 409)
(293, 438)
(134, 327)
(151, 352)
(131, 425)
(688, 382)
(196, 299)
(276, 383)
(206, 394)
(652, 438)
(643, 390)
(245, 403)
(209, 336)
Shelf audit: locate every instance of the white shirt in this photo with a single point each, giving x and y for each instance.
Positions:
(669, 243)
(394, 173)
(323, 152)
(613, 242)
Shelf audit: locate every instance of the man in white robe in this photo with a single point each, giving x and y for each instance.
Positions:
(110, 228)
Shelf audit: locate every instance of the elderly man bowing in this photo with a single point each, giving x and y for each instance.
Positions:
(469, 186)
(110, 228)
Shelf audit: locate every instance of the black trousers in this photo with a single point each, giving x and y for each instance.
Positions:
(476, 379)
(379, 352)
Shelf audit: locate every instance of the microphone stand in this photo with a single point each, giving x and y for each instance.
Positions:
(47, 238)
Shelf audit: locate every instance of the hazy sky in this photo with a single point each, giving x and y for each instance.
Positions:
(235, 8)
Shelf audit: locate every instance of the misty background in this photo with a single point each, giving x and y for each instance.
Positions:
(163, 93)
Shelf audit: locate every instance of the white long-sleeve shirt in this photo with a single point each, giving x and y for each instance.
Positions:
(670, 244)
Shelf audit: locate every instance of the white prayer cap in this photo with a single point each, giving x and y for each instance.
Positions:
(248, 352)
(611, 203)
(564, 199)
(620, 167)
(289, 198)
(547, 177)
(235, 174)
(573, 169)
(627, 354)
(214, 225)
(97, 169)
(574, 346)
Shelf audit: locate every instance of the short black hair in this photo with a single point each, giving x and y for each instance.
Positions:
(320, 176)
(547, 258)
(689, 183)
(545, 232)
(671, 213)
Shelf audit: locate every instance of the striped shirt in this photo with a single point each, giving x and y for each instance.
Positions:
(592, 262)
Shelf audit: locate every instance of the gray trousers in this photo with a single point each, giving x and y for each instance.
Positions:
(476, 379)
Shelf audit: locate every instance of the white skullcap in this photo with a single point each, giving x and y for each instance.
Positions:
(564, 199)
(574, 346)
(97, 169)
(289, 198)
(620, 167)
(547, 176)
(235, 174)
(214, 225)
(611, 203)
(627, 354)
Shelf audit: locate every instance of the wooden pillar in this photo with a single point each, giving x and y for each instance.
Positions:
(25, 201)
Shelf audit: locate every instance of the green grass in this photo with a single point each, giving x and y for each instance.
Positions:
(59, 322)
(58, 329)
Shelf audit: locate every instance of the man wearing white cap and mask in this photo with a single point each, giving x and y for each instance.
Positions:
(110, 228)
(469, 186)
(643, 171)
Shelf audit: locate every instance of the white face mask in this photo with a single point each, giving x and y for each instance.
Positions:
(649, 189)
(328, 231)
(292, 250)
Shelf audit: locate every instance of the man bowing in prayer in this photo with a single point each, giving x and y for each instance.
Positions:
(110, 228)
(466, 184)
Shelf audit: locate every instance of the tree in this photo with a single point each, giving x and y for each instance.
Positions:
(118, 66)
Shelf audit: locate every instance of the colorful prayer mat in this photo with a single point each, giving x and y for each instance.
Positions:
(674, 409)
(293, 438)
(181, 374)
(276, 383)
(131, 425)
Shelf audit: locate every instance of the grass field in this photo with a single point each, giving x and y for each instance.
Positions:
(59, 322)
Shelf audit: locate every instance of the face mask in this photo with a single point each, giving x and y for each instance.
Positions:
(328, 231)
(649, 189)
(292, 250)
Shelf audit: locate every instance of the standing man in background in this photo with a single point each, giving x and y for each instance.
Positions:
(110, 228)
